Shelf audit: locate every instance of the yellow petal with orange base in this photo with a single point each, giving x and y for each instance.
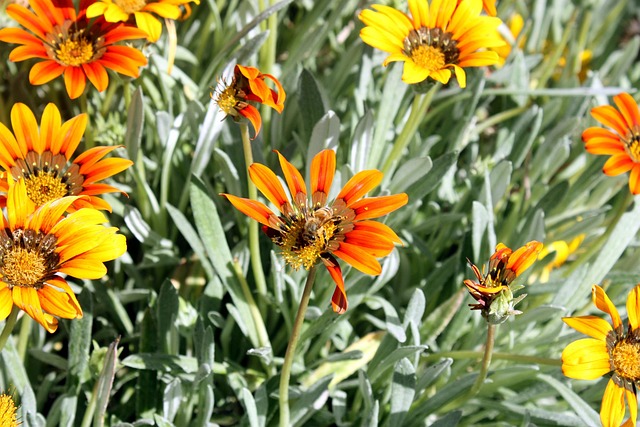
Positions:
(586, 359)
(602, 301)
(633, 308)
(593, 326)
(612, 408)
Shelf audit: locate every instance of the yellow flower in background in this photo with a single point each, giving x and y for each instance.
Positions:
(42, 156)
(515, 26)
(39, 246)
(435, 39)
(493, 291)
(609, 351)
(562, 251)
(623, 143)
(312, 231)
(8, 409)
(248, 84)
(143, 13)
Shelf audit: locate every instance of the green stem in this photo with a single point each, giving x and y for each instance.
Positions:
(23, 336)
(254, 243)
(9, 324)
(499, 118)
(486, 360)
(421, 103)
(520, 358)
(285, 375)
(267, 59)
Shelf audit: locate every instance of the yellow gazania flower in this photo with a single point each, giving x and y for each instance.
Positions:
(43, 158)
(562, 251)
(38, 245)
(435, 39)
(71, 44)
(142, 11)
(8, 409)
(489, 6)
(623, 144)
(492, 291)
(248, 84)
(515, 26)
(312, 231)
(609, 351)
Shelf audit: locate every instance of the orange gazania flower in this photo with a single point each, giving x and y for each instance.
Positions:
(142, 11)
(609, 351)
(71, 44)
(38, 245)
(493, 291)
(435, 39)
(42, 158)
(623, 144)
(313, 231)
(248, 84)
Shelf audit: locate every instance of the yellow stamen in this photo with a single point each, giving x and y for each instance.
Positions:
(305, 241)
(8, 410)
(74, 52)
(626, 359)
(44, 187)
(23, 267)
(227, 100)
(130, 6)
(428, 57)
(632, 143)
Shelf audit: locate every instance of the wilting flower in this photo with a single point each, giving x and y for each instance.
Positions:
(562, 251)
(8, 409)
(42, 158)
(435, 39)
(623, 145)
(609, 351)
(248, 84)
(142, 11)
(38, 245)
(312, 231)
(70, 43)
(494, 291)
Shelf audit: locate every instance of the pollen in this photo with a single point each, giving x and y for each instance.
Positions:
(305, 240)
(27, 257)
(22, 267)
(8, 417)
(626, 359)
(44, 187)
(428, 57)
(632, 143)
(74, 52)
(130, 6)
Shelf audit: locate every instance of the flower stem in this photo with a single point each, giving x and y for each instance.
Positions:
(486, 361)
(285, 374)
(419, 108)
(254, 243)
(9, 324)
(520, 358)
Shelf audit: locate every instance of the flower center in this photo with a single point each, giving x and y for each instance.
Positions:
(8, 411)
(47, 177)
(307, 237)
(130, 6)
(626, 359)
(227, 100)
(28, 257)
(632, 143)
(74, 52)
(431, 49)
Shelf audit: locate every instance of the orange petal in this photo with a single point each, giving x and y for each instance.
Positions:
(359, 185)
(522, 258)
(25, 127)
(634, 179)
(252, 114)
(294, 179)
(593, 326)
(70, 135)
(601, 146)
(378, 228)
(97, 75)
(251, 208)
(609, 116)
(372, 243)
(323, 168)
(74, 81)
(602, 301)
(612, 409)
(358, 258)
(597, 132)
(617, 164)
(374, 207)
(269, 184)
(628, 108)
(44, 72)
(339, 301)
(61, 304)
(49, 127)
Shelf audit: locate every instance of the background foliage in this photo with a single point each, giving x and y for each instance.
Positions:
(500, 161)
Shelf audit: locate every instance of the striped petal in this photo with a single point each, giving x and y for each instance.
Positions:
(358, 258)
(294, 179)
(339, 301)
(628, 108)
(374, 207)
(323, 168)
(612, 409)
(586, 359)
(251, 208)
(618, 164)
(269, 185)
(602, 301)
(609, 116)
(359, 185)
(593, 326)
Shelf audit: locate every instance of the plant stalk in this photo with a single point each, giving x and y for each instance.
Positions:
(285, 374)
(9, 324)
(486, 360)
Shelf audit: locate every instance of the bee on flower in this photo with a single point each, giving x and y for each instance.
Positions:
(309, 231)
(494, 291)
(248, 85)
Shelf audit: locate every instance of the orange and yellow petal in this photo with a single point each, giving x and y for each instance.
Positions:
(252, 114)
(339, 301)
(618, 164)
(358, 258)
(628, 108)
(524, 257)
(586, 359)
(269, 185)
(634, 179)
(25, 127)
(378, 228)
(323, 168)
(359, 185)
(59, 303)
(74, 81)
(633, 308)
(593, 326)
(609, 116)
(602, 301)
(293, 177)
(612, 409)
(251, 208)
(6, 301)
(374, 207)
(371, 242)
